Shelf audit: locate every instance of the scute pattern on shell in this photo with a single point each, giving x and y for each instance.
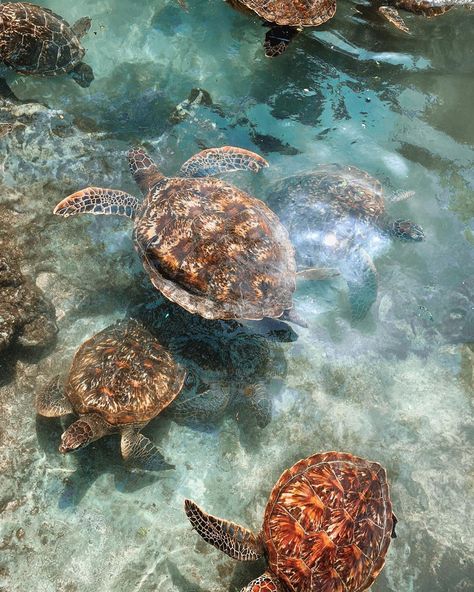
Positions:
(328, 524)
(124, 375)
(296, 13)
(215, 250)
(35, 40)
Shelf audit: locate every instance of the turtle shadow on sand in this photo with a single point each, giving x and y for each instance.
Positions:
(102, 457)
(233, 369)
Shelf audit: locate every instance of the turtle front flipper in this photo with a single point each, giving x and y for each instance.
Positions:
(391, 14)
(98, 201)
(140, 452)
(52, 400)
(265, 583)
(277, 40)
(82, 26)
(222, 160)
(232, 539)
(361, 278)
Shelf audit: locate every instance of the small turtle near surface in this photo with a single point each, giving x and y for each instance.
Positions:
(336, 217)
(34, 40)
(427, 8)
(205, 244)
(119, 380)
(327, 527)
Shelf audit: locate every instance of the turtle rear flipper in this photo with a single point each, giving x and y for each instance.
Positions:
(52, 400)
(82, 26)
(222, 160)
(98, 201)
(277, 40)
(265, 583)
(391, 14)
(259, 404)
(232, 539)
(82, 74)
(362, 282)
(140, 452)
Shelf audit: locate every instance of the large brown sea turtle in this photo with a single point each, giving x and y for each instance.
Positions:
(119, 380)
(327, 527)
(35, 40)
(337, 217)
(206, 245)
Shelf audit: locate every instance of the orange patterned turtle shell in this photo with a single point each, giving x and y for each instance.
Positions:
(215, 250)
(124, 375)
(328, 524)
(296, 13)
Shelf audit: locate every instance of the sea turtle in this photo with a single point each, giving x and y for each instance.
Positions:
(286, 17)
(206, 245)
(35, 40)
(336, 217)
(327, 527)
(230, 367)
(428, 8)
(119, 380)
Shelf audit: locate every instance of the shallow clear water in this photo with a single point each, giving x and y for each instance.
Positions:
(396, 387)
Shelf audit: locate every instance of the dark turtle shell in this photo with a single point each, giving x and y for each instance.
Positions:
(35, 40)
(328, 524)
(296, 13)
(124, 375)
(215, 250)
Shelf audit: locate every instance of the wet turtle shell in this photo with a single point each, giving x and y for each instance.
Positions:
(124, 375)
(296, 13)
(215, 250)
(35, 40)
(328, 524)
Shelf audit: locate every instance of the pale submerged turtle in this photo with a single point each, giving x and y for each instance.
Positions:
(119, 380)
(327, 527)
(206, 245)
(336, 217)
(35, 40)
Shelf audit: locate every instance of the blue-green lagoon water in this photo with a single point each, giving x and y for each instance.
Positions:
(396, 387)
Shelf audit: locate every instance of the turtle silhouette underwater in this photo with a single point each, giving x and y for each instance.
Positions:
(119, 380)
(34, 40)
(336, 216)
(327, 526)
(205, 244)
(285, 18)
(231, 368)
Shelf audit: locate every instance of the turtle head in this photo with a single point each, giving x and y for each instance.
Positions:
(83, 74)
(406, 230)
(78, 435)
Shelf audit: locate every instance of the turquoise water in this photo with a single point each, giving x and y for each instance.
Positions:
(396, 387)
